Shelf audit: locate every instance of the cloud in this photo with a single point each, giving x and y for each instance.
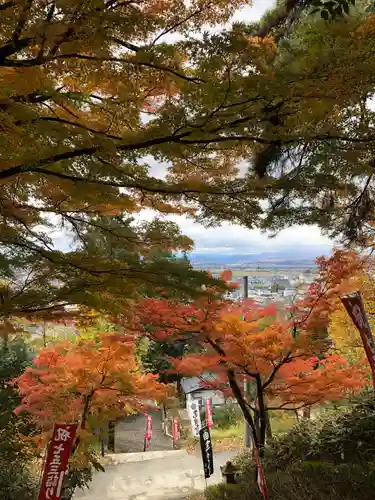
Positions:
(234, 239)
(255, 12)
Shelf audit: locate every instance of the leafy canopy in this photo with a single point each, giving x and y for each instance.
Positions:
(284, 353)
(90, 382)
(265, 124)
(78, 80)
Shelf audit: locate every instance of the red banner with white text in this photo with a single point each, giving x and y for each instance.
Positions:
(209, 420)
(261, 478)
(148, 433)
(56, 464)
(353, 303)
(176, 430)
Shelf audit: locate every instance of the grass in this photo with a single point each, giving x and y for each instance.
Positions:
(232, 437)
(233, 432)
(279, 422)
(282, 422)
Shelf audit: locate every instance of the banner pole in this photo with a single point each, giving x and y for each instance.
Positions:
(354, 306)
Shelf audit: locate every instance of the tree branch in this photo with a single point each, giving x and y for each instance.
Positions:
(7, 5)
(11, 48)
(276, 368)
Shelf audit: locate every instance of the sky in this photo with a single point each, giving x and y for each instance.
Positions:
(233, 239)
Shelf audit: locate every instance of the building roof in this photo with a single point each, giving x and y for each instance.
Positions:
(192, 384)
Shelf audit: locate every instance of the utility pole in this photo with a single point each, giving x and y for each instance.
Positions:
(247, 434)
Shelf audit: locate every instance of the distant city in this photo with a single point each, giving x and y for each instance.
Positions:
(281, 287)
(272, 278)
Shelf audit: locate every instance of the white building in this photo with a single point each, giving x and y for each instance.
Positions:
(194, 388)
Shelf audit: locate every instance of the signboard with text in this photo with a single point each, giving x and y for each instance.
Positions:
(353, 303)
(194, 415)
(207, 452)
(56, 464)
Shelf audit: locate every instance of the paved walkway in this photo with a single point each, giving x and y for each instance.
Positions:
(130, 434)
(158, 475)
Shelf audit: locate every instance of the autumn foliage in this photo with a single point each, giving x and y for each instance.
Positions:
(90, 383)
(283, 353)
(94, 93)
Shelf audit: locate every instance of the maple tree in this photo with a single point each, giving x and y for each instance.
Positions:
(78, 80)
(93, 94)
(284, 354)
(90, 382)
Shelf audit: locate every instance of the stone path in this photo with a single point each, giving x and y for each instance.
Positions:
(130, 434)
(160, 473)
(157, 475)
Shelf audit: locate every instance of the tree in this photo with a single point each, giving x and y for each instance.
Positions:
(94, 93)
(332, 9)
(90, 383)
(284, 355)
(130, 256)
(78, 81)
(16, 482)
(156, 357)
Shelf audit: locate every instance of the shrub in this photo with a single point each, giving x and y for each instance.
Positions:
(345, 435)
(330, 458)
(311, 480)
(17, 482)
(80, 476)
(299, 443)
(226, 416)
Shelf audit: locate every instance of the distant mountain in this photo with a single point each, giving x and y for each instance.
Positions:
(291, 256)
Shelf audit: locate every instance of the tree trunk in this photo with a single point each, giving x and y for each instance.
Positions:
(269, 428)
(237, 393)
(257, 419)
(306, 412)
(262, 416)
(111, 436)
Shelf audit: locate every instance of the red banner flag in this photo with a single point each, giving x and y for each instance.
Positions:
(148, 433)
(176, 430)
(353, 303)
(261, 478)
(56, 464)
(209, 420)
